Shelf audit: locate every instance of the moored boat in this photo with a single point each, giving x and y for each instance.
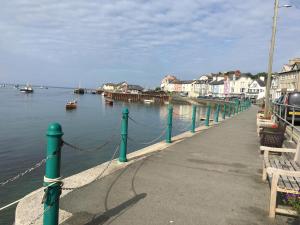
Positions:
(79, 91)
(71, 105)
(27, 89)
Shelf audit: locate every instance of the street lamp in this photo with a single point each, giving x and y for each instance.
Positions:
(271, 55)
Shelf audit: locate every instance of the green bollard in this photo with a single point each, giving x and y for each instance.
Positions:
(217, 112)
(124, 135)
(207, 115)
(52, 175)
(169, 127)
(224, 112)
(194, 119)
(229, 110)
(233, 108)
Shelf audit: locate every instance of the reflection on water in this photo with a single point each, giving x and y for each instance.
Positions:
(24, 122)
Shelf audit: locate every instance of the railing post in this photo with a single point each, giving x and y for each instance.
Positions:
(52, 175)
(207, 115)
(285, 112)
(217, 113)
(193, 119)
(233, 107)
(229, 110)
(224, 112)
(169, 127)
(293, 123)
(124, 135)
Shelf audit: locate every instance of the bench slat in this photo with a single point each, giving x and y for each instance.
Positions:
(288, 181)
(294, 167)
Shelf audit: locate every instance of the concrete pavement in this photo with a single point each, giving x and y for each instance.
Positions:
(211, 178)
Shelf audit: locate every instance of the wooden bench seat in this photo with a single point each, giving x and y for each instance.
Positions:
(283, 173)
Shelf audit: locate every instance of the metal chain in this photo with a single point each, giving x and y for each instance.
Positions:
(44, 211)
(183, 128)
(142, 124)
(37, 165)
(152, 141)
(187, 115)
(100, 175)
(74, 147)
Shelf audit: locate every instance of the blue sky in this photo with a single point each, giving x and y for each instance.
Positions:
(57, 42)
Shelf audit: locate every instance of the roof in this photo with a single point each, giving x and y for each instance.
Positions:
(215, 82)
(294, 68)
(135, 87)
(111, 84)
(261, 83)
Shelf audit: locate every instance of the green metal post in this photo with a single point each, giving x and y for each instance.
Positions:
(52, 187)
(233, 108)
(217, 112)
(169, 127)
(229, 110)
(207, 115)
(224, 112)
(194, 119)
(124, 134)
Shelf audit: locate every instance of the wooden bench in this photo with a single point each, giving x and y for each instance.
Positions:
(283, 173)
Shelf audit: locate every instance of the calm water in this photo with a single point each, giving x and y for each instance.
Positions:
(24, 120)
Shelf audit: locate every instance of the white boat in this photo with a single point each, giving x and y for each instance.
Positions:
(148, 101)
(27, 89)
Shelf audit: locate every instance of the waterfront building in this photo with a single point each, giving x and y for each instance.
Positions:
(166, 83)
(256, 89)
(123, 87)
(288, 80)
(217, 88)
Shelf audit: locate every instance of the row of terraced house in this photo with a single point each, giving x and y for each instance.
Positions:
(227, 84)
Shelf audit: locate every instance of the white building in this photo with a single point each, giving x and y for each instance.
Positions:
(256, 89)
(167, 83)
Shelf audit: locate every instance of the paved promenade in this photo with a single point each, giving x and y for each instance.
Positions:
(211, 178)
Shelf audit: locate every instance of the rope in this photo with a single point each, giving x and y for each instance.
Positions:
(74, 147)
(142, 124)
(152, 141)
(37, 165)
(100, 175)
(187, 115)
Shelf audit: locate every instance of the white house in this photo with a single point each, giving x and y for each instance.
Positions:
(256, 88)
(109, 87)
(167, 83)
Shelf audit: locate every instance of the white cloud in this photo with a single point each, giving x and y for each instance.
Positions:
(160, 34)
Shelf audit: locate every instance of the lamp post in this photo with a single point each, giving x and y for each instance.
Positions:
(271, 55)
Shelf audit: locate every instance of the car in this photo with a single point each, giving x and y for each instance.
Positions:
(290, 99)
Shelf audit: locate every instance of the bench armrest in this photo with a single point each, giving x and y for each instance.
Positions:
(271, 149)
(282, 172)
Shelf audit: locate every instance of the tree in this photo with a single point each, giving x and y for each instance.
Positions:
(157, 89)
(260, 74)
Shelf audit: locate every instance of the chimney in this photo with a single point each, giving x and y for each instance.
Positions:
(262, 78)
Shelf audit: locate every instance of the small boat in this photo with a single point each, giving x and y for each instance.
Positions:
(109, 101)
(79, 91)
(26, 89)
(71, 105)
(148, 101)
